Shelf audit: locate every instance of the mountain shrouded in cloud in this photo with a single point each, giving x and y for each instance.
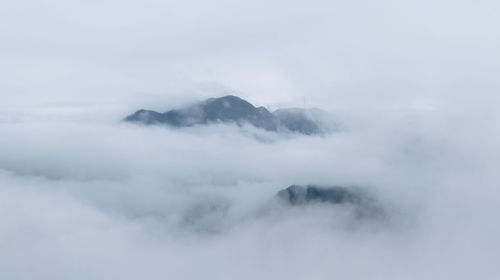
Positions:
(232, 109)
(399, 179)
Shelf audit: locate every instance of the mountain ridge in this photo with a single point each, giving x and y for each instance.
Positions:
(233, 109)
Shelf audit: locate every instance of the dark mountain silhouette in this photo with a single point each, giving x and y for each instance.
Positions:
(361, 201)
(232, 109)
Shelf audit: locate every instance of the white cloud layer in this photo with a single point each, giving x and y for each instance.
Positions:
(118, 201)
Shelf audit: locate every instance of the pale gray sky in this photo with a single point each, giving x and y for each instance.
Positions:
(119, 55)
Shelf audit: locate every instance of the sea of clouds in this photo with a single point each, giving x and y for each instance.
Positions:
(413, 85)
(87, 200)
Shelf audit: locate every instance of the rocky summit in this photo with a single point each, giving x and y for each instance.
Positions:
(232, 109)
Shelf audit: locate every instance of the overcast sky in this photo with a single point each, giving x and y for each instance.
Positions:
(413, 84)
(339, 54)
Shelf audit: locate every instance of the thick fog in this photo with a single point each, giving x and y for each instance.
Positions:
(413, 86)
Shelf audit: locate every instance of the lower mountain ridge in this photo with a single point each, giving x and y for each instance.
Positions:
(364, 205)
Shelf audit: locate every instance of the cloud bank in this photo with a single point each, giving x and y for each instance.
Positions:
(102, 201)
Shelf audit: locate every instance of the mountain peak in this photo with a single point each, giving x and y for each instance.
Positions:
(232, 109)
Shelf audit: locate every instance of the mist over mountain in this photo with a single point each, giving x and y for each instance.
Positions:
(394, 177)
(232, 109)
